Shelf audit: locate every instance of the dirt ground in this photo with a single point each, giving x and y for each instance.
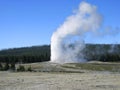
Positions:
(59, 81)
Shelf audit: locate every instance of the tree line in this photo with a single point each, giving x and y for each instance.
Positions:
(102, 52)
(24, 59)
(98, 52)
(25, 54)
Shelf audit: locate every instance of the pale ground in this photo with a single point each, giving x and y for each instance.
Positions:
(60, 81)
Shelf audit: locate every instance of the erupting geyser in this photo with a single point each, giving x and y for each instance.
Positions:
(66, 42)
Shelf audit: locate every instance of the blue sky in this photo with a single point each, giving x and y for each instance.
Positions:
(32, 22)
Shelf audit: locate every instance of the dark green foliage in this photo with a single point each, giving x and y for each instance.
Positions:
(99, 52)
(35, 50)
(102, 52)
(1, 66)
(13, 66)
(21, 68)
(26, 55)
(6, 66)
(29, 69)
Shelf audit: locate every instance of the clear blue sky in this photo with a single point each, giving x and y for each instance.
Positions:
(32, 22)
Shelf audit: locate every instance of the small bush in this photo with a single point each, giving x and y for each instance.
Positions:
(13, 67)
(6, 66)
(21, 68)
(29, 69)
(1, 66)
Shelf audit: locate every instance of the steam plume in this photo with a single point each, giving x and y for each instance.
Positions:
(66, 43)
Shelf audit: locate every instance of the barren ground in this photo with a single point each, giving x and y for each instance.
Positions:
(84, 80)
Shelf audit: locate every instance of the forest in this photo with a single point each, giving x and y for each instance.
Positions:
(25, 54)
(96, 52)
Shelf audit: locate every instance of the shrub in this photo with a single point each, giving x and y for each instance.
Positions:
(6, 67)
(21, 68)
(29, 69)
(13, 67)
(1, 67)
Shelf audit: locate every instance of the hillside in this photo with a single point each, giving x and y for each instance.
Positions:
(34, 50)
(99, 52)
(26, 54)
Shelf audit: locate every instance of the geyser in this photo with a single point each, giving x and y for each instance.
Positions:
(66, 41)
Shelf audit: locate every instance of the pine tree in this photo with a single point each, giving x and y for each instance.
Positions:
(1, 67)
(12, 66)
(6, 67)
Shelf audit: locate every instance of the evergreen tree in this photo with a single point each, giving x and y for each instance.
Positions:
(12, 66)
(1, 67)
(6, 67)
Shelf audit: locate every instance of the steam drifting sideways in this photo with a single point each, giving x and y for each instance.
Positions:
(66, 42)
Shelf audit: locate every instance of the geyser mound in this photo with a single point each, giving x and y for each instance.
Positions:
(66, 42)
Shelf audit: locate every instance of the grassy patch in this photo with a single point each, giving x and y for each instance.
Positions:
(94, 66)
(72, 67)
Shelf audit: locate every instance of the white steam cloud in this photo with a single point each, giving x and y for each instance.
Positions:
(66, 43)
